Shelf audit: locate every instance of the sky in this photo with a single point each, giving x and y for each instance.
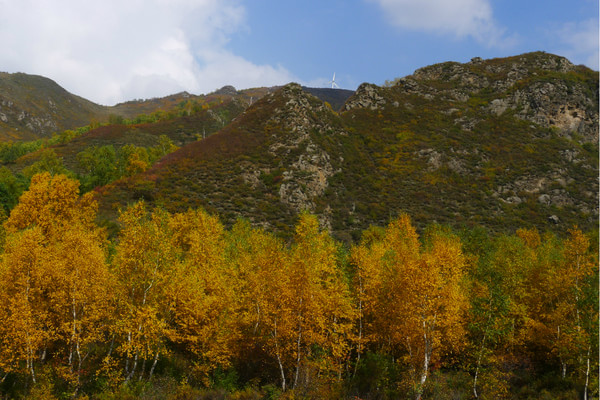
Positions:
(112, 51)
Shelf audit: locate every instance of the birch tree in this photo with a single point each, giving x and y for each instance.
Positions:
(413, 298)
(143, 264)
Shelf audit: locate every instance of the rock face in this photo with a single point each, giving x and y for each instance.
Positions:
(537, 87)
(42, 125)
(307, 165)
(366, 96)
(306, 176)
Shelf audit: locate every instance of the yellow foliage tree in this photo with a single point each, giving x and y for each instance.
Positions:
(137, 162)
(320, 308)
(295, 302)
(202, 290)
(24, 312)
(79, 296)
(260, 260)
(411, 300)
(143, 264)
(562, 302)
(52, 203)
(54, 269)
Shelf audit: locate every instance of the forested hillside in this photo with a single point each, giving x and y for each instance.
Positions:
(177, 306)
(432, 238)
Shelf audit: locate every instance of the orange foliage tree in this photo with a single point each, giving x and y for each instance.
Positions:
(412, 299)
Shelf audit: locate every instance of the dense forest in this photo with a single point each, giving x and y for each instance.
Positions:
(177, 306)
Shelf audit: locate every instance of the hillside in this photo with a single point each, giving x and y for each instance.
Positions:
(503, 143)
(32, 106)
(181, 130)
(182, 117)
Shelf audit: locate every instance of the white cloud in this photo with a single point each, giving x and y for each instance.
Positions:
(459, 18)
(114, 50)
(580, 42)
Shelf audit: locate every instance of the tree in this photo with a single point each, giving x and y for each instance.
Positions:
(564, 315)
(99, 165)
(49, 162)
(413, 299)
(143, 264)
(53, 204)
(164, 147)
(488, 321)
(24, 311)
(132, 160)
(202, 291)
(10, 189)
(263, 277)
(54, 276)
(79, 296)
(321, 311)
(295, 302)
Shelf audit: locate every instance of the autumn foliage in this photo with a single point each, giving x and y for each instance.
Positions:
(180, 297)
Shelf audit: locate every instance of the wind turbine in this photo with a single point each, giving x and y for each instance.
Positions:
(333, 84)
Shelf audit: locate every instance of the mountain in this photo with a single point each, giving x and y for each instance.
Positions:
(32, 106)
(504, 143)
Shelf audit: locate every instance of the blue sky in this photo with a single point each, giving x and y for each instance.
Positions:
(361, 40)
(118, 50)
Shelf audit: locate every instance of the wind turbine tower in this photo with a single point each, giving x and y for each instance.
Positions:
(333, 84)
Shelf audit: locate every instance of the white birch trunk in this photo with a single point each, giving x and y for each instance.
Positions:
(279, 357)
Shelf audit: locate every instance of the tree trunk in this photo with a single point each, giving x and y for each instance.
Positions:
(360, 328)
(279, 357)
(153, 366)
(133, 368)
(298, 358)
(257, 318)
(426, 358)
(298, 346)
(143, 370)
(30, 359)
(587, 374)
(477, 369)
(425, 371)
(112, 345)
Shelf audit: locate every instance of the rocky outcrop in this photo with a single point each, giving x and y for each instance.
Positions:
(366, 96)
(557, 104)
(536, 87)
(41, 124)
(307, 165)
(227, 90)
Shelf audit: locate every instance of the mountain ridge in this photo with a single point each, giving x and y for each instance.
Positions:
(34, 107)
(436, 148)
